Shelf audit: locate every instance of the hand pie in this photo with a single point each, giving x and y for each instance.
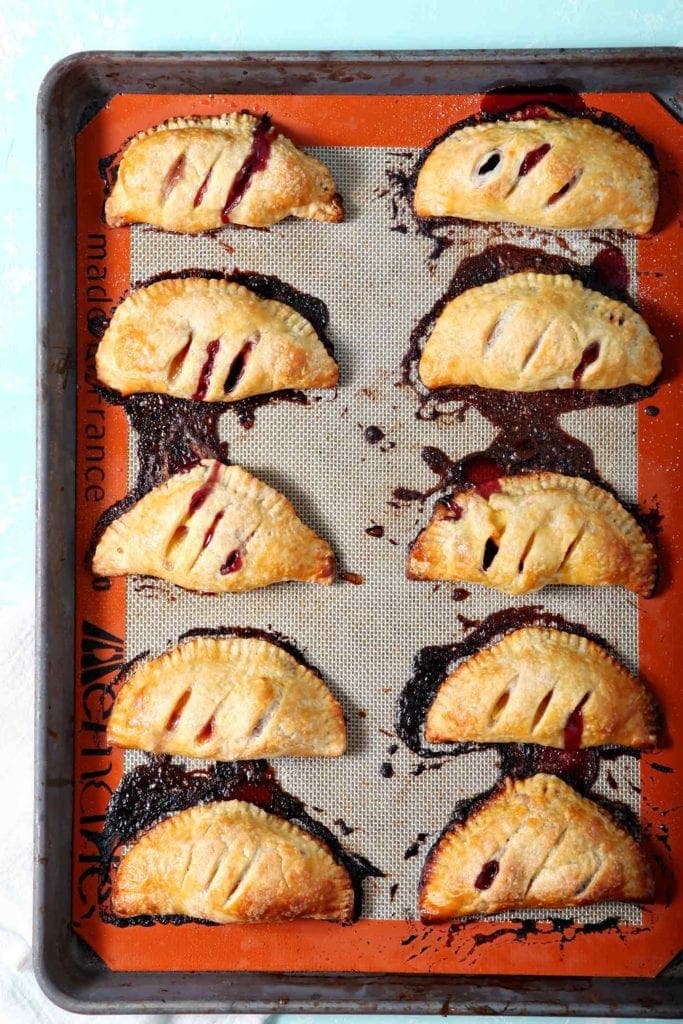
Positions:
(542, 686)
(534, 843)
(531, 332)
(229, 699)
(199, 173)
(215, 528)
(231, 862)
(560, 172)
(210, 340)
(533, 530)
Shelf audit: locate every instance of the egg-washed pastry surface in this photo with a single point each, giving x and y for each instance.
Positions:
(200, 173)
(211, 340)
(229, 862)
(214, 528)
(531, 332)
(554, 172)
(545, 686)
(534, 843)
(533, 530)
(227, 698)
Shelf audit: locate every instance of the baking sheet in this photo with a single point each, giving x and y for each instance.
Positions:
(376, 283)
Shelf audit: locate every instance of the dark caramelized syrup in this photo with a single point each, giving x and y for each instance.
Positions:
(255, 161)
(206, 370)
(533, 157)
(201, 191)
(158, 788)
(203, 492)
(238, 366)
(233, 563)
(588, 356)
(573, 729)
(373, 435)
(208, 536)
(531, 102)
(486, 876)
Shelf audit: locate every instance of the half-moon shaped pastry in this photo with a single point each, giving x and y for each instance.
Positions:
(559, 172)
(231, 862)
(531, 332)
(544, 686)
(195, 174)
(227, 698)
(534, 843)
(214, 528)
(210, 340)
(533, 530)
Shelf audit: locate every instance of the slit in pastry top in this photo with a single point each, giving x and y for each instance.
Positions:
(227, 698)
(200, 173)
(533, 530)
(534, 843)
(231, 862)
(532, 332)
(559, 172)
(215, 529)
(545, 686)
(210, 340)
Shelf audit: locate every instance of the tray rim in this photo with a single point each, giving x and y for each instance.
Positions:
(73, 91)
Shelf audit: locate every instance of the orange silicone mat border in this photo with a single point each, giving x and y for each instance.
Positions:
(367, 946)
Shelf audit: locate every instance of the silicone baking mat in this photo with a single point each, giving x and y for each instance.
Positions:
(377, 282)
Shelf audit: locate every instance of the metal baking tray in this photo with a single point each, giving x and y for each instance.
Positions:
(72, 93)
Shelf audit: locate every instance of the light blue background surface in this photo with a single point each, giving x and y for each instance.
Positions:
(34, 35)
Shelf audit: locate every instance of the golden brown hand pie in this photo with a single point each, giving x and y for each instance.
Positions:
(561, 172)
(199, 173)
(211, 340)
(534, 843)
(529, 332)
(544, 686)
(231, 862)
(227, 698)
(535, 529)
(214, 528)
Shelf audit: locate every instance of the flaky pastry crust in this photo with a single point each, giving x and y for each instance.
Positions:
(535, 529)
(546, 686)
(200, 173)
(531, 332)
(215, 529)
(230, 862)
(534, 843)
(227, 698)
(211, 340)
(563, 172)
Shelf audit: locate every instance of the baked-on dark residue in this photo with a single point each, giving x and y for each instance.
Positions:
(158, 787)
